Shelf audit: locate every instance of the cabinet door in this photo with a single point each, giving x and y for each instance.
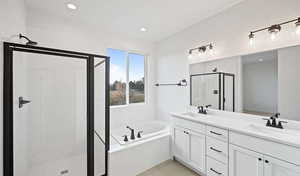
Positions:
(243, 162)
(197, 151)
(181, 142)
(275, 167)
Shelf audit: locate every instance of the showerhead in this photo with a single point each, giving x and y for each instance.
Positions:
(29, 42)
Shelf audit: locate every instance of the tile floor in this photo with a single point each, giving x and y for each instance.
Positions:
(169, 168)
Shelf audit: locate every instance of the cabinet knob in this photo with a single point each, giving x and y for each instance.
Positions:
(259, 159)
(266, 161)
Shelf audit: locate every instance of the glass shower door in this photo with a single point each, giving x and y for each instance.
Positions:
(50, 115)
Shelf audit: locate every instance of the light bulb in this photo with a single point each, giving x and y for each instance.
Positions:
(273, 30)
(251, 41)
(210, 47)
(190, 54)
(251, 38)
(71, 6)
(298, 26)
(298, 29)
(273, 36)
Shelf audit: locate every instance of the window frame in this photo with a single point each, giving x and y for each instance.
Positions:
(127, 63)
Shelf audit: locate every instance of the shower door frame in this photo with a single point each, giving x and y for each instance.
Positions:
(8, 127)
(221, 88)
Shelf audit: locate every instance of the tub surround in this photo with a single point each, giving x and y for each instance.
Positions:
(235, 144)
(136, 156)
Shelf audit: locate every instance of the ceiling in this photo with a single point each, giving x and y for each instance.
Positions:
(162, 18)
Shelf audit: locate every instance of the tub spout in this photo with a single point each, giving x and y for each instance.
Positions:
(132, 136)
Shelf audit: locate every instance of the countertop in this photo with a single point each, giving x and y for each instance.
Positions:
(243, 123)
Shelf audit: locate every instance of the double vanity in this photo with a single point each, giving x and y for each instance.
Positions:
(223, 143)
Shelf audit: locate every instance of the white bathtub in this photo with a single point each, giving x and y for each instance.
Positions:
(134, 157)
(149, 129)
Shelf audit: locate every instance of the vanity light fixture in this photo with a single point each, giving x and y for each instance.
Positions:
(201, 50)
(274, 29)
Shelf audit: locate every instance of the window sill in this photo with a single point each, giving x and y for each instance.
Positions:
(127, 105)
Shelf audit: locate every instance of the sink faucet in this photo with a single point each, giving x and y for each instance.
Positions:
(202, 110)
(132, 136)
(272, 121)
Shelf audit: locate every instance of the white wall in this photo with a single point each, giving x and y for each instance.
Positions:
(12, 22)
(56, 32)
(260, 86)
(288, 82)
(228, 31)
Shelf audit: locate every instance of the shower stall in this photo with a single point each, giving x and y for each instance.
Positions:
(216, 89)
(55, 112)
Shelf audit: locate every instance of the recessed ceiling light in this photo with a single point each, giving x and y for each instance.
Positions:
(260, 60)
(71, 6)
(143, 29)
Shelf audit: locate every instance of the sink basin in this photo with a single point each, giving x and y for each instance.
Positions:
(274, 131)
(192, 114)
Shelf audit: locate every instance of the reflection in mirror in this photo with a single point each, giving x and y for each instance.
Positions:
(265, 83)
(215, 89)
(260, 83)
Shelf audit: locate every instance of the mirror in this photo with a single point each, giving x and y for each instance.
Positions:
(261, 83)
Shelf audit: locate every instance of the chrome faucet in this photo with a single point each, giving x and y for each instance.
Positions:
(132, 136)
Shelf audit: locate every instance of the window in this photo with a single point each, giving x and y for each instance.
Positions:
(127, 77)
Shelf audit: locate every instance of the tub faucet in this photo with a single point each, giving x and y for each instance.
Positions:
(132, 136)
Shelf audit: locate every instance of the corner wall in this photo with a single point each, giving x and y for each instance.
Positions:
(12, 18)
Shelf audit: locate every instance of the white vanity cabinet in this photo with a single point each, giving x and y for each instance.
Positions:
(221, 151)
(189, 143)
(181, 143)
(244, 162)
(197, 151)
(189, 146)
(275, 167)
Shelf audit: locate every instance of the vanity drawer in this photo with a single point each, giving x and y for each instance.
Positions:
(217, 149)
(217, 133)
(216, 168)
(197, 127)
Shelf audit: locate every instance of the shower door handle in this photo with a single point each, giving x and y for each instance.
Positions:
(22, 102)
